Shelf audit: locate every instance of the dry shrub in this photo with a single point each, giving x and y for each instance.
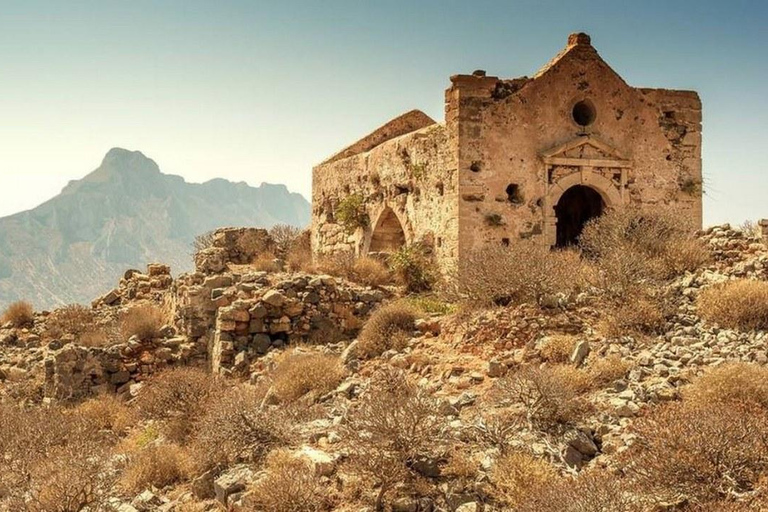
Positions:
(524, 272)
(745, 504)
(388, 328)
(18, 314)
(702, 451)
(202, 242)
(497, 429)
(730, 382)
(549, 395)
(371, 272)
(365, 270)
(176, 396)
(515, 475)
(739, 304)
(644, 314)
(461, 464)
(284, 238)
(300, 373)
(605, 370)
(414, 268)
(289, 485)
(591, 491)
(253, 242)
(96, 337)
(156, 466)
(395, 423)
(72, 319)
(107, 412)
(631, 248)
(557, 348)
(265, 262)
(237, 426)
(143, 321)
(52, 460)
(299, 256)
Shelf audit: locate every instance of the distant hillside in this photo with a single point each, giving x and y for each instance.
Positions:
(125, 214)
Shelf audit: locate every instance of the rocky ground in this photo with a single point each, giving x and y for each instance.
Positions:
(462, 359)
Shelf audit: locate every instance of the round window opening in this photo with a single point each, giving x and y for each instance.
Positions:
(584, 113)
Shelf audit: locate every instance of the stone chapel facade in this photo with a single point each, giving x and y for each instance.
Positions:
(526, 158)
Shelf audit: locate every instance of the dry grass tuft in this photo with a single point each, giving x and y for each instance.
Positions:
(389, 327)
(306, 373)
(516, 475)
(143, 321)
(156, 466)
(107, 412)
(605, 370)
(557, 348)
(740, 304)
(299, 255)
(365, 270)
(371, 272)
(644, 314)
(730, 382)
(18, 314)
(96, 337)
(289, 485)
(265, 262)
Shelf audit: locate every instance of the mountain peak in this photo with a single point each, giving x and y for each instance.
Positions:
(125, 159)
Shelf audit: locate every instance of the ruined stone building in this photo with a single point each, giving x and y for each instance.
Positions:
(526, 158)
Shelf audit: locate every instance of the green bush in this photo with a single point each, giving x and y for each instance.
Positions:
(351, 214)
(414, 268)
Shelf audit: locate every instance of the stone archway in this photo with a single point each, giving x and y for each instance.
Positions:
(577, 206)
(388, 234)
(609, 194)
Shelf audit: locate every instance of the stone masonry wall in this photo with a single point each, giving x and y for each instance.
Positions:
(223, 318)
(509, 150)
(648, 140)
(414, 175)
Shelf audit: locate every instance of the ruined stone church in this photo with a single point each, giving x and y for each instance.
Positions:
(525, 158)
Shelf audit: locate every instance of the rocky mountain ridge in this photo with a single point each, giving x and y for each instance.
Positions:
(124, 214)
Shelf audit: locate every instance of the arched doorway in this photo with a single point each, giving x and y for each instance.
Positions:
(575, 208)
(388, 234)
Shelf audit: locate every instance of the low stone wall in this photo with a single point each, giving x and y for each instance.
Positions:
(73, 371)
(241, 316)
(135, 285)
(221, 318)
(295, 310)
(232, 245)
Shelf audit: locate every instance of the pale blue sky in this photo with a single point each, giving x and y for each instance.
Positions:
(261, 91)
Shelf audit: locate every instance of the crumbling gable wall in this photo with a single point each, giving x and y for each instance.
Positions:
(520, 147)
(412, 176)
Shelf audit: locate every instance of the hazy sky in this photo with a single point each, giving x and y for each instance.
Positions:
(261, 91)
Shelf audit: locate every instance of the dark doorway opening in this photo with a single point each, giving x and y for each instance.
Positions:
(576, 207)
